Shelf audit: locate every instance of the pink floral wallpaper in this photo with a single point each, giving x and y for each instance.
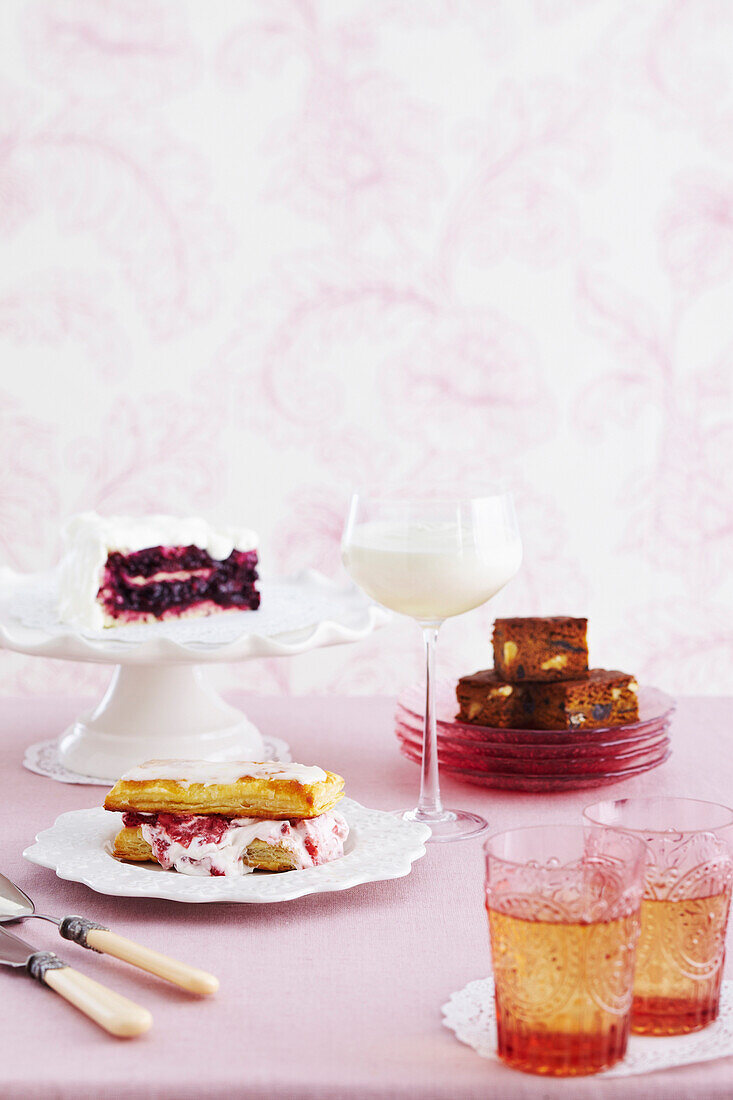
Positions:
(257, 252)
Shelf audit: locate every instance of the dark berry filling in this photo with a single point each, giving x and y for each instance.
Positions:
(227, 584)
(160, 559)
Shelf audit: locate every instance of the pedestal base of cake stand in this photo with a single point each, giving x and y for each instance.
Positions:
(157, 712)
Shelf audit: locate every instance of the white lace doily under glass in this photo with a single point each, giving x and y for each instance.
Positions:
(78, 848)
(471, 1014)
(43, 759)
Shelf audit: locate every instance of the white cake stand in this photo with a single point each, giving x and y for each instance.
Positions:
(158, 703)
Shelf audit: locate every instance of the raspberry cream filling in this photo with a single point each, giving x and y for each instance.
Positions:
(208, 844)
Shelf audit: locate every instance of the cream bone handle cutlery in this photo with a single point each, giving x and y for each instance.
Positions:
(15, 905)
(115, 1013)
(98, 938)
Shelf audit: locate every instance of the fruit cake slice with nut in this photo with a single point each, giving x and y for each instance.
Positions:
(486, 700)
(542, 649)
(603, 698)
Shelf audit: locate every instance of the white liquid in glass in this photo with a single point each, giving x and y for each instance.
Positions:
(430, 571)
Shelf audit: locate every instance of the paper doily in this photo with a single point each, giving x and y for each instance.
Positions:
(43, 759)
(471, 1014)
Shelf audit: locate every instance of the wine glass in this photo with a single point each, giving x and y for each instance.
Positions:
(432, 559)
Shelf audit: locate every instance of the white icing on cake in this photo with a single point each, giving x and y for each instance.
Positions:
(187, 772)
(88, 539)
(202, 857)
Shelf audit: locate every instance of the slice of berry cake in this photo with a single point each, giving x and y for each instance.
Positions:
(119, 569)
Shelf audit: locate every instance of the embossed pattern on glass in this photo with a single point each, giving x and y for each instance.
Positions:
(563, 906)
(684, 913)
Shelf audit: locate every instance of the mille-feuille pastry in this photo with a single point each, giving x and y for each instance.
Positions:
(205, 818)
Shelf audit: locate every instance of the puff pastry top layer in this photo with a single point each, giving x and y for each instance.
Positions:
(234, 789)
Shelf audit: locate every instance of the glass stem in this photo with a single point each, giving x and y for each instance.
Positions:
(430, 805)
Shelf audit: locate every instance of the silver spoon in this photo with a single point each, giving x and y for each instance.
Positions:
(15, 905)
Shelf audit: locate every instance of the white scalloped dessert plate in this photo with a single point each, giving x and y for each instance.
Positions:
(298, 613)
(78, 848)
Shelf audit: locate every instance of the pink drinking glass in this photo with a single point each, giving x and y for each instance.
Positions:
(684, 913)
(563, 905)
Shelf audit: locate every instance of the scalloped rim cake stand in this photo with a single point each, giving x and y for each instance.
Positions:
(78, 848)
(158, 703)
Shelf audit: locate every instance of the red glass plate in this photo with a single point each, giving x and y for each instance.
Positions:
(571, 750)
(558, 756)
(655, 707)
(479, 760)
(539, 783)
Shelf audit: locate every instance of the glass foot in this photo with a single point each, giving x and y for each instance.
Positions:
(448, 825)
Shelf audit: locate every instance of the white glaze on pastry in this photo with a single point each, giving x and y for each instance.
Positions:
(88, 539)
(222, 773)
(311, 842)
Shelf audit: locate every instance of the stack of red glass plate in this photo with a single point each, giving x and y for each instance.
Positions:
(537, 760)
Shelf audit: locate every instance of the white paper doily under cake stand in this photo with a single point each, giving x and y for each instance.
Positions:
(43, 759)
(159, 703)
(471, 1014)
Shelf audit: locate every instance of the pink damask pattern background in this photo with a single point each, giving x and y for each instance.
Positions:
(260, 251)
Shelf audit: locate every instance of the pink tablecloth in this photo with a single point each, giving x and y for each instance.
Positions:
(331, 996)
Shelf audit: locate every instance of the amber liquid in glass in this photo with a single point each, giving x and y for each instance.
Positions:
(563, 992)
(679, 964)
